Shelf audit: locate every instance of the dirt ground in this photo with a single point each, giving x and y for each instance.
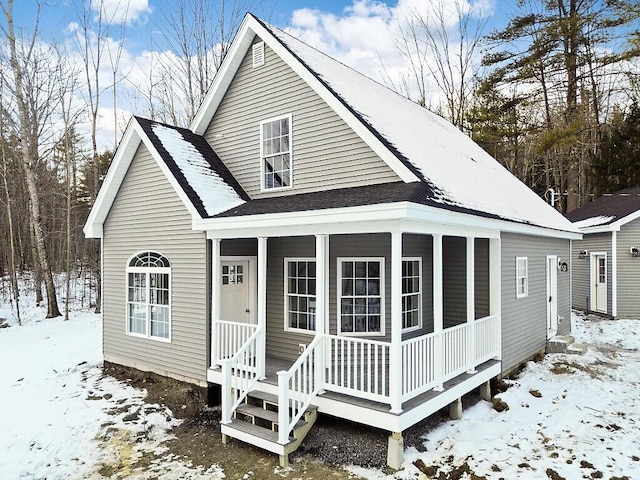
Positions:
(331, 444)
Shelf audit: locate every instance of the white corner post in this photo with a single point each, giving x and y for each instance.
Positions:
(495, 289)
(396, 360)
(322, 278)
(438, 321)
(262, 306)
(614, 274)
(215, 301)
(471, 304)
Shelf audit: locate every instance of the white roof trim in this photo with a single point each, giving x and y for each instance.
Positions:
(133, 136)
(348, 219)
(613, 226)
(240, 46)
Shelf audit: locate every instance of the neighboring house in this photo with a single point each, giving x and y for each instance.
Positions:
(315, 239)
(606, 262)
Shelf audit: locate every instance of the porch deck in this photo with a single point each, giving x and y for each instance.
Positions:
(378, 414)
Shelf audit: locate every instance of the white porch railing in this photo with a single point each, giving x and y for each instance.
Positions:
(354, 366)
(239, 376)
(229, 337)
(297, 387)
(357, 367)
(420, 366)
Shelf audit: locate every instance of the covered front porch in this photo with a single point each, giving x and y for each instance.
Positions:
(380, 326)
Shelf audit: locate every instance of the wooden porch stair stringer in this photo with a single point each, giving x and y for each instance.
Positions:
(256, 422)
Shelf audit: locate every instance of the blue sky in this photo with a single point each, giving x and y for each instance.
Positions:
(361, 33)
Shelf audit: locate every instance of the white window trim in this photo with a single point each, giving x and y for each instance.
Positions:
(148, 270)
(526, 277)
(263, 187)
(257, 54)
(419, 293)
(287, 328)
(381, 261)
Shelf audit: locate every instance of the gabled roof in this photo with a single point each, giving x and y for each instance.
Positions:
(608, 212)
(418, 145)
(198, 176)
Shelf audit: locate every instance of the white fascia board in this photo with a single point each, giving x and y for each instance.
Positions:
(224, 77)
(112, 181)
(403, 216)
(600, 229)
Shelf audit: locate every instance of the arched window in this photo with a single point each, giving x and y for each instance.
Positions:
(149, 295)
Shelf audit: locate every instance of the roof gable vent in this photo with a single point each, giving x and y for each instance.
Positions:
(258, 54)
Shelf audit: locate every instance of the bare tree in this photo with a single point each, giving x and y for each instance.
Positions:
(35, 94)
(199, 33)
(442, 43)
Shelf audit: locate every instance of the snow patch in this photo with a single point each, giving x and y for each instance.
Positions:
(593, 221)
(217, 196)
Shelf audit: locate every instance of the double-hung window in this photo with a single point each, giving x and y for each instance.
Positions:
(148, 296)
(522, 277)
(300, 294)
(361, 296)
(275, 153)
(411, 294)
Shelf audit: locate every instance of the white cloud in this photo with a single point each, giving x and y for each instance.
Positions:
(122, 11)
(365, 35)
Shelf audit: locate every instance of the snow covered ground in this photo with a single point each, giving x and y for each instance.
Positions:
(575, 416)
(60, 418)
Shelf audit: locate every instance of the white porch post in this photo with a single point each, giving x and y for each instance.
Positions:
(215, 301)
(396, 360)
(438, 311)
(262, 306)
(495, 288)
(471, 306)
(322, 277)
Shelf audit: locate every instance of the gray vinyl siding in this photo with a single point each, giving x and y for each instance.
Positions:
(581, 269)
(148, 215)
(327, 153)
(628, 271)
(481, 278)
(524, 320)
(284, 344)
(454, 280)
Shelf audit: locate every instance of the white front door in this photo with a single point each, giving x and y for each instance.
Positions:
(552, 296)
(235, 291)
(599, 282)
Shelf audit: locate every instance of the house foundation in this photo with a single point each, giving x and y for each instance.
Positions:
(485, 391)
(395, 451)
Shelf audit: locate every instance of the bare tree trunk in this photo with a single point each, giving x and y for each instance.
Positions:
(12, 259)
(29, 152)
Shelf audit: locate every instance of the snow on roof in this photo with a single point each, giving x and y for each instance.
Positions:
(593, 221)
(460, 172)
(216, 195)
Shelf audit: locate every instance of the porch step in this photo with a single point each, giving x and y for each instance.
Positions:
(256, 422)
(565, 344)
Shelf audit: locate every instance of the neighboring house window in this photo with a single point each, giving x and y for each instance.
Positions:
(522, 277)
(275, 153)
(300, 294)
(411, 294)
(148, 287)
(361, 295)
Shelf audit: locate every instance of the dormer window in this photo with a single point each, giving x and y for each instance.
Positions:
(275, 153)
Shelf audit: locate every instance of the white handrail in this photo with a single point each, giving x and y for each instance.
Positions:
(297, 387)
(229, 337)
(240, 375)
